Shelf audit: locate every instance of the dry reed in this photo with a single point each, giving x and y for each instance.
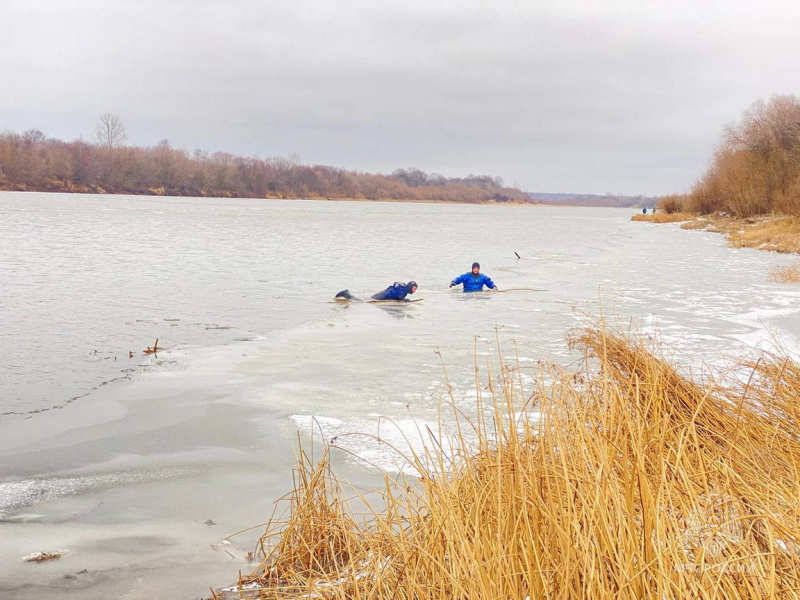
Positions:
(779, 234)
(776, 233)
(790, 274)
(664, 217)
(624, 479)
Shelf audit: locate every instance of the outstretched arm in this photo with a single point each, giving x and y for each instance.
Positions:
(490, 284)
(458, 280)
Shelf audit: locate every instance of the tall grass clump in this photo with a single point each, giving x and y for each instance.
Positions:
(790, 274)
(756, 169)
(626, 478)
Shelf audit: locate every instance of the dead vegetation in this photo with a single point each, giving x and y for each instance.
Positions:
(664, 217)
(779, 234)
(625, 479)
(756, 169)
(774, 233)
(751, 191)
(790, 274)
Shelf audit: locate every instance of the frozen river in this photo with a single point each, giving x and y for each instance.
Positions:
(122, 460)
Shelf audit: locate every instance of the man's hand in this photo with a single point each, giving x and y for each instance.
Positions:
(452, 284)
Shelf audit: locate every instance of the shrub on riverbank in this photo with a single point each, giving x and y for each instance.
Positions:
(625, 479)
(674, 203)
(756, 169)
(751, 191)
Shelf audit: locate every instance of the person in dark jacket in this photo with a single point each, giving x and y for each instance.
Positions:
(397, 291)
(474, 280)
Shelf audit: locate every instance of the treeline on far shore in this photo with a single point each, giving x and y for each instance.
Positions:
(32, 162)
(755, 170)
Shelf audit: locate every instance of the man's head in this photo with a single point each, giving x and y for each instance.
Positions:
(411, 287)
(476, 268)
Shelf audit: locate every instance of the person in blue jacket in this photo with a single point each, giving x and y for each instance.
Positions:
(397, 291)
(474, 280)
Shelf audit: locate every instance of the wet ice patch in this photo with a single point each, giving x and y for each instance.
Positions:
(382, 443)
(18, 494)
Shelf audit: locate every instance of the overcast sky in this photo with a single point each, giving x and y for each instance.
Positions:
(553, 96)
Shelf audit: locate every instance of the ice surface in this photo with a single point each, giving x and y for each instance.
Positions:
(126, 474)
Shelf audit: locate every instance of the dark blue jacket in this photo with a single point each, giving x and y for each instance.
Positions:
(474, 283)
(396, 291)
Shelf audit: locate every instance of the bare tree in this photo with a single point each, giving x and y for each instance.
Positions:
(33, 136)
(110, 132)
(767, 126)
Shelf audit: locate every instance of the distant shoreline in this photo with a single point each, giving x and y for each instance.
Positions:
(33, 162)
(229, 197)
(78, 191)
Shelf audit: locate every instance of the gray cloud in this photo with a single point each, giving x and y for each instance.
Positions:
(590, 96)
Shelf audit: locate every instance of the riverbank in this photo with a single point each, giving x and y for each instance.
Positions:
(771, 233)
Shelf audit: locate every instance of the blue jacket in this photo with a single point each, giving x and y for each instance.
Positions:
(396, 291)
(474, 283)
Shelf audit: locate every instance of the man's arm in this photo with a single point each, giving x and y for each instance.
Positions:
(489, 283)
(458, 280)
